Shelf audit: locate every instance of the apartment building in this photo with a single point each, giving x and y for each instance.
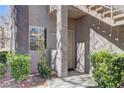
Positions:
(70, 32)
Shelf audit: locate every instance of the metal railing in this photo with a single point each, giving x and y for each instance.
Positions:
(112, 8)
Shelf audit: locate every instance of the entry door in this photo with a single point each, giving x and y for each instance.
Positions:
(71, 57)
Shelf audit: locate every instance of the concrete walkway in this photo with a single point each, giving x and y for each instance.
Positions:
(80, 81)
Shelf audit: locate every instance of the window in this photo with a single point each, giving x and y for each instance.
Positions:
(37, 37)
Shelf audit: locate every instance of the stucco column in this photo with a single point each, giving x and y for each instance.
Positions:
(62, 39)
(22, 35)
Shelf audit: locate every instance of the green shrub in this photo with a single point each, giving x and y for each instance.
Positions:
(44, 69)
(1, 70)
(19, 65)
(3, 55)
(108, 68)
(43, 66)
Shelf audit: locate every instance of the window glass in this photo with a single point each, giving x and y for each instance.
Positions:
(36, 37)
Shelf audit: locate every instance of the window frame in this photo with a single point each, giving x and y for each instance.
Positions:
(41, 30)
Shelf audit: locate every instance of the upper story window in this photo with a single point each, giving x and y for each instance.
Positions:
(37, 37)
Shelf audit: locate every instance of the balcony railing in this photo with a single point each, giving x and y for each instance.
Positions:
(111, 14)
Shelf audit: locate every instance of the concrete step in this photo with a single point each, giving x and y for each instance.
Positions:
(118, 16)
(92, 6)
(106, 12)
(98, 9)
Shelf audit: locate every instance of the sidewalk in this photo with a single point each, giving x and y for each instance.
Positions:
(80, 81)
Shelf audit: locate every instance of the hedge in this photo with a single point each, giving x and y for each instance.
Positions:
(3, 55)
(43, 66)
(19, 65)
(108, 68)
(2, 72)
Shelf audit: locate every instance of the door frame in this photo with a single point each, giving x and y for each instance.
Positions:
(73, 46)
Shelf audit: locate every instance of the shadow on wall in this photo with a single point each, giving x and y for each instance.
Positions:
(109, 37)
(82, 45)
(93, 35)
(56, 55)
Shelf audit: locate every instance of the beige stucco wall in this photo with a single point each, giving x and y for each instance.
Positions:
(39, 16)
(93, 35)
(90, 35)
(82, 44)
(51, 39)
(21, 42)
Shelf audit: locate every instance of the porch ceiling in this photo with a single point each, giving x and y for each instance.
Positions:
(75, 13)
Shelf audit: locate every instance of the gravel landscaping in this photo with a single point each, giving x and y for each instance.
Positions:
(30, 81)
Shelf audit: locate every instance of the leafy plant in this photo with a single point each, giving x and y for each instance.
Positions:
(44, 69)
(108, 68)
(3, 55)
(1, 70)
(19, 65)
(43, 66)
